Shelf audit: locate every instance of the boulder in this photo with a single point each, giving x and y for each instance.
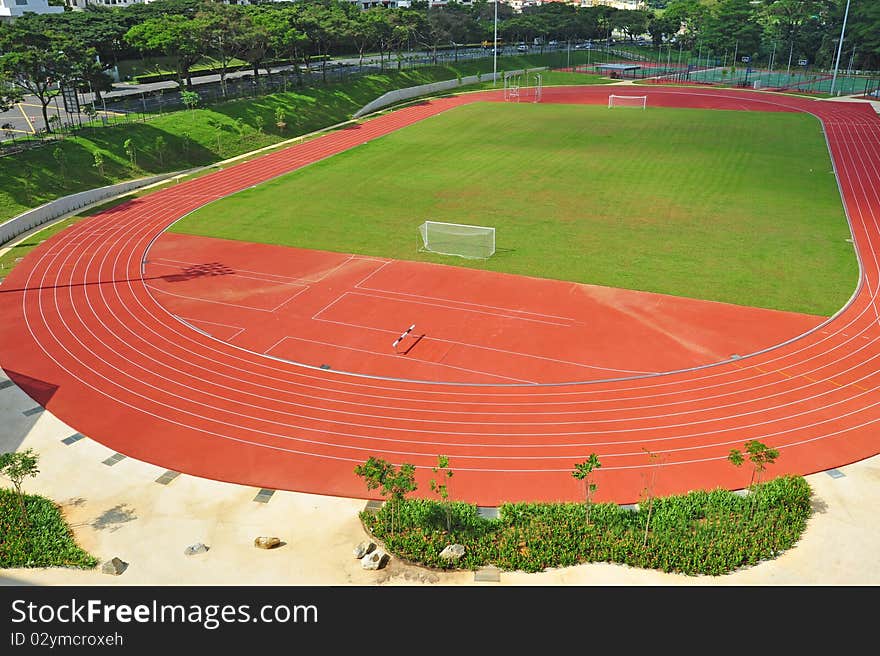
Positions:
(452, 552)
(114, 566)
(363, 549)
(193, 549)
(266, 543)
(376, 559)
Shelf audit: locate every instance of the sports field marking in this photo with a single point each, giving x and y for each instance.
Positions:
(490, 348)
(215, 323)
(446, 307)
(396, 357)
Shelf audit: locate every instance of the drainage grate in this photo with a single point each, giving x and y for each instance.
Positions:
(33, 411)
(487, 512)
(264, 495)
(76, 437)
(373, 507)
(167, 477)
(629, 506)
(6, 383)
(112, 460)
(835, 473)
(487, 575)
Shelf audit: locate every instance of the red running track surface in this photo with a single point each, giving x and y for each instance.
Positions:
(82, 333)
(344, 311)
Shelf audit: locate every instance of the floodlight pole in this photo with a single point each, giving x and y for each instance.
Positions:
(839, 48)
(495, 48)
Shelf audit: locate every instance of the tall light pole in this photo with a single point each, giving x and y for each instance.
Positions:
(839, 48)
(495, 48)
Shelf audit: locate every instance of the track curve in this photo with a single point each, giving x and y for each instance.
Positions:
(81, 333)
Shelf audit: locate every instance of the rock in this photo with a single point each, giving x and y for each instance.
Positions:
(193, 549)
(363, 549)
(114, 566)
(376, 559)
(267, 543)
(452, 552)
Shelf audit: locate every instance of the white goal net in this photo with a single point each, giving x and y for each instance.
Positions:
(627, 101)
(471, 241)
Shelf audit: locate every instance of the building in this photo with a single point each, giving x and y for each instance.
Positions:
(11, 9)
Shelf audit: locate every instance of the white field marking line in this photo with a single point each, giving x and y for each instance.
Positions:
(214, 323)
(286, 280)
(373, 273)
(208, 300)
(294, 279)
(385, 355)
(482, 305)
(445, 307)
(487, 348)
(235, 273)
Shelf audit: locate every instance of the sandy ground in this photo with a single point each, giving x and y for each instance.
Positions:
(121, 510)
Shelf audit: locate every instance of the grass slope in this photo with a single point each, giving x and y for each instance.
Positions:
(207, 135)
(730, 206)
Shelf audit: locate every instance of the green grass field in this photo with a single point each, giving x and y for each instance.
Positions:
(740, 207)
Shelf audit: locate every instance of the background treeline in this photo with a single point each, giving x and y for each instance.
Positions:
(189, 31)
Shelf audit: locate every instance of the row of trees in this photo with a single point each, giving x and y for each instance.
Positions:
(396, 482)
(37, 52)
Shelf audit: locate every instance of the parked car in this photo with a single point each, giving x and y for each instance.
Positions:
(522, 47)
(553, 43)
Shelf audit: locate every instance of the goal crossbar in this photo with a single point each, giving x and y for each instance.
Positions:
(459, 239)
(627, 101)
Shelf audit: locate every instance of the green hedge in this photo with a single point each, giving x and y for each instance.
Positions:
(699, 533)
(45, 541)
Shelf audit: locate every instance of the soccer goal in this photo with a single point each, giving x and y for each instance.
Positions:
(627, 101)
(471, 241)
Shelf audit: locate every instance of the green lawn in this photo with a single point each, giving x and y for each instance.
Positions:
(730, 206)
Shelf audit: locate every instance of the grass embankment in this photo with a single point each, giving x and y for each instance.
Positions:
(44, 541)
(203, 136)
(740, 207)
(702, 532)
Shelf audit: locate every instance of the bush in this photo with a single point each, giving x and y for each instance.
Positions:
(701, 532)
(44, 541)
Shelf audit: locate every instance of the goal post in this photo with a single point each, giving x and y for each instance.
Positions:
(470, 241)
(627, 101)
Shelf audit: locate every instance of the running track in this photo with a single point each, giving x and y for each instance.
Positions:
(82, 334)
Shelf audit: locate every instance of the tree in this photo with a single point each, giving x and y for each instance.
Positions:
(59, 156)
(391, 481)
(160, 147)
(190, 99)
(220, 26)
(583, 471)
(130, 150)
(35, 62)
(17, 467)
(441, 488)
(9, 95)
(174, 35)
(759, 454)
(280, 118)
(99, 162)
(648, 495)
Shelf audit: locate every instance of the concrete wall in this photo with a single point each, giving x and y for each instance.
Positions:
(399, 95)
(53, 209)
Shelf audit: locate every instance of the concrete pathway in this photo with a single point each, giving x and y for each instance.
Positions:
(120, 510)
